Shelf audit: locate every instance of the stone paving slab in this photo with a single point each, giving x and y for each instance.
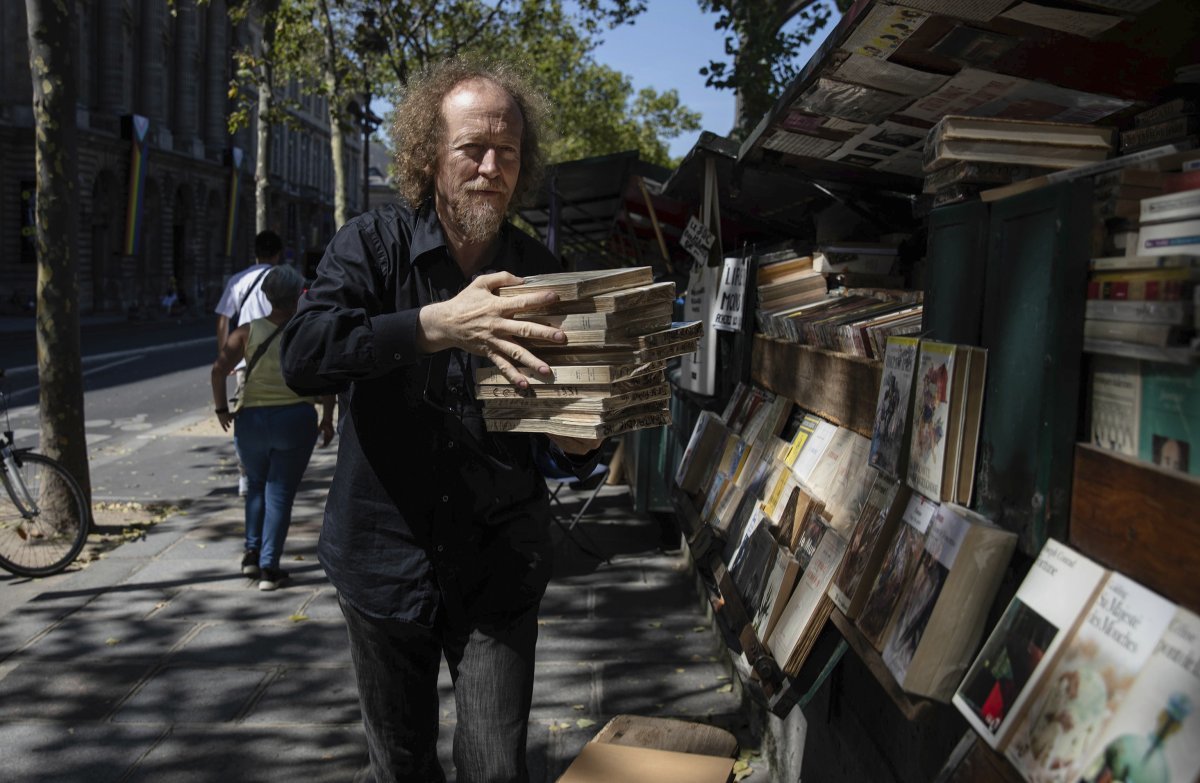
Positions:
(564, 691)
(281, 643)
(323, 605)
(700, 690)
(54, 752)
(82, 639)
(180, 695)
(252, 754)
(308, 694)
(237, 607)
(50, 691)
(672, 638)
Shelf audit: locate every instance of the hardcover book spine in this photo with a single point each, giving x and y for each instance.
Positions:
(1165, 111)
(1178, 313)
(1171, 206)
(1160, 132)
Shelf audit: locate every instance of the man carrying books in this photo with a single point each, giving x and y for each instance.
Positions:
(436, 532)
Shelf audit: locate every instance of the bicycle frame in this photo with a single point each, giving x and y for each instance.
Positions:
(10, 475)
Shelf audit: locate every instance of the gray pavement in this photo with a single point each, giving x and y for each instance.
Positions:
(160, 662)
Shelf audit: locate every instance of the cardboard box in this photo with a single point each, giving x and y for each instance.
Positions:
(604, 762)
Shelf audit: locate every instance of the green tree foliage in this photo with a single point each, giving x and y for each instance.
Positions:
(762, 39)
(596, 109)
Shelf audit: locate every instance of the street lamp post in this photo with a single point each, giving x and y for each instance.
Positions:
(368, 121)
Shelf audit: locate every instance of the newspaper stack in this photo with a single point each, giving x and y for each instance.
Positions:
(609, 376)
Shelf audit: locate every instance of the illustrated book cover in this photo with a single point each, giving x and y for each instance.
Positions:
(889, 435)
(705, 445)
(1153, 734)
(1089, 682)
(1026, 641)
(876, 529)
(931, 417)
(895, 569)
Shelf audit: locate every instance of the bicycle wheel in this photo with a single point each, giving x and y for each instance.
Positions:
(49, 535)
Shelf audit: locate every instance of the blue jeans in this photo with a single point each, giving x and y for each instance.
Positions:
(274, 443)
(396, 664)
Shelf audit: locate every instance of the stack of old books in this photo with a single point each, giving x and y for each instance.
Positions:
(609, 376)
(964, 155)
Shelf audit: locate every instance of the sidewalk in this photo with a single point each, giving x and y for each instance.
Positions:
(160, 662)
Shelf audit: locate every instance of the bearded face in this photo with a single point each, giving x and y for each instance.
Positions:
(476, 211)
(481, 162)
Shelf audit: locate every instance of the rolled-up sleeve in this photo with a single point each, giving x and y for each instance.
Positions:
(346, 327)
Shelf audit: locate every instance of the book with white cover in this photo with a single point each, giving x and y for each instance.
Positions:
(1090, 680)
(1026, 641)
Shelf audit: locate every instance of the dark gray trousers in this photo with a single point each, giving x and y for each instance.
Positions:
(396, 665)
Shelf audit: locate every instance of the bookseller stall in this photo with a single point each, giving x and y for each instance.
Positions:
(939, 483)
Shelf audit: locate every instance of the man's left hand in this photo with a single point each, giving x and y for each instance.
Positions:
(576, 446)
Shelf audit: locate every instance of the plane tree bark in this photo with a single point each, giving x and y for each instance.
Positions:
(51, 26)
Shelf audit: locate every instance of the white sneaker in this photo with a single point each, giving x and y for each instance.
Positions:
(243, 485)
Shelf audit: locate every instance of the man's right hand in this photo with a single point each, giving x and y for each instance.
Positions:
(480, 322)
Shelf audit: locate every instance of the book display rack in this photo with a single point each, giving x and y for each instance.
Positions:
(1009, 272)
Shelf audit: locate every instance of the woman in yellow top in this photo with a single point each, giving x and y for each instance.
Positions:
(275, 428)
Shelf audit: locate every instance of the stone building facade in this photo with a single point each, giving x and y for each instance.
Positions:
(172, 66)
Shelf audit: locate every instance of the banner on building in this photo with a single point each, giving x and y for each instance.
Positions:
(139, 126)
(235, 175)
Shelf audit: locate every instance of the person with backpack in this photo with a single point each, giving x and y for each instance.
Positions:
(275, 429)
(243, 301)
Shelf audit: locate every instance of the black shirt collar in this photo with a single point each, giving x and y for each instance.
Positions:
(429, 242)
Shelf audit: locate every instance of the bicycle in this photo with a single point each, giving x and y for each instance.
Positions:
(42, 528)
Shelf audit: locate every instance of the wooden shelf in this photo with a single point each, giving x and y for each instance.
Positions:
(1139, 519)
(912, 707)
(975, 762)
(838, 387)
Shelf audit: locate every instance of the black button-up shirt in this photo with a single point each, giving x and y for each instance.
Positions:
(427, 511)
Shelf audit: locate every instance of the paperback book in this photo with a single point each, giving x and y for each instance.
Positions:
(941, 613)
(1090, 681)
(1153, 734)
(947, 406)
(874, 533)
(895, 569)
(889, 436)
(571, 286)
(1027, 641)
(809, 606)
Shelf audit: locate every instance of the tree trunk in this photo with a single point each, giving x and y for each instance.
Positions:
(262, 156)
(60, 374)
(262, 123)
(337, 142)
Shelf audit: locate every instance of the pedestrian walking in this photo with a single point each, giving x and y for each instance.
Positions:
(275, 429)
(242, 301)
(436, 532)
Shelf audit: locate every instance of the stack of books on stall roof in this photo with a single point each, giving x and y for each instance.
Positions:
(609, 375)
(1171, 121)
(1052, 145)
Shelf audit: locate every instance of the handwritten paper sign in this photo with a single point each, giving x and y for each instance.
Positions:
(697, 240)
(731, 296)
